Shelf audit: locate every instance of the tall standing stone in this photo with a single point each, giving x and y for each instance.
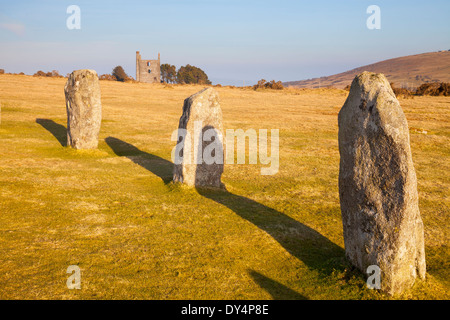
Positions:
(378, 186)
(199, 153)
(84, 109)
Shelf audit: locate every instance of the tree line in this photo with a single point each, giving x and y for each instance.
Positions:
(169, 74)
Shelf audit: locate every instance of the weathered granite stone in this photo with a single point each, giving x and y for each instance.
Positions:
(378, 186)
(84, 109)
(199, 154)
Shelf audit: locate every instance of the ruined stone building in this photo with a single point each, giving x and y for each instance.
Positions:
(148, 71)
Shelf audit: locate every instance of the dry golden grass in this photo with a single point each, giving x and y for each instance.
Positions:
(134, 235)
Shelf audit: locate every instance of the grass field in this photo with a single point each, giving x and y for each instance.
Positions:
(135, 235)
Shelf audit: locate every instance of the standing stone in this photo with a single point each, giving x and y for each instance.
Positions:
(378, 186)
(198, 158)
(84, 109)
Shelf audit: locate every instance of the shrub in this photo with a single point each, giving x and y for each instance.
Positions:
(53, 73)
(276, 85)
(168, 73)
(263, 84)
(119, 73)
(434, 89)
(191, 74)
(40, 73)
(401, 91)
(107, 77)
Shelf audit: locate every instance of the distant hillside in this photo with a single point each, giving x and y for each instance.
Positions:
(408, 71)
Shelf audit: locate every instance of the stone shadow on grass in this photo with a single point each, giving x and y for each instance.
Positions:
(277, 290)
(156, 165)
(306, 244)
(301, 241)
(56, 129)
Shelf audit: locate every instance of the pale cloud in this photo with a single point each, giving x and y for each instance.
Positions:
(16, 28)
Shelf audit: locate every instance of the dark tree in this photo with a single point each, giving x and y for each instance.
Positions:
(190, 74)
(168, 73)
(119, 73)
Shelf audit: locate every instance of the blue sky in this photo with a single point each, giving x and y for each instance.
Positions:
(233, 41)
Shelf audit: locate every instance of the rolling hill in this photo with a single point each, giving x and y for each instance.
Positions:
(408, 71)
